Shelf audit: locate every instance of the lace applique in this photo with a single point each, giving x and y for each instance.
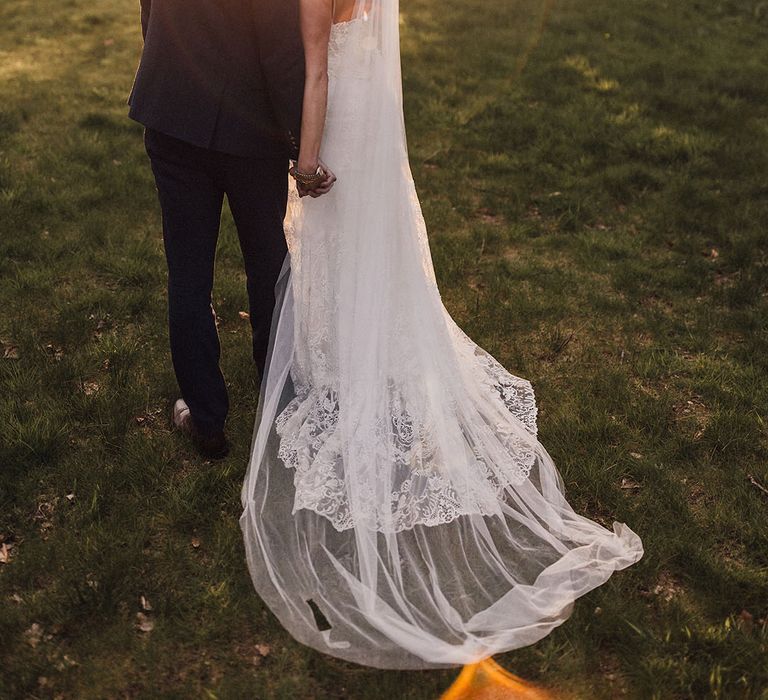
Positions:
(337, 39)
(410, 457)
(346, 56)
(516, 393)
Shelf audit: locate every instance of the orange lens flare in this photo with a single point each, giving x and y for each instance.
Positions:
(486, 680)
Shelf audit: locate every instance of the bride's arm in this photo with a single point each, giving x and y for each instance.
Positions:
(316, 17)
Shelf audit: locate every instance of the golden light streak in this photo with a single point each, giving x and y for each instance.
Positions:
(486, 680)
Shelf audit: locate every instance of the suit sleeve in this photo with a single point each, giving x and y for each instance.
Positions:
(281, 55)
(145, 4)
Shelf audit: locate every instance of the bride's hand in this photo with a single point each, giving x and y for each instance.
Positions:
(323, 187)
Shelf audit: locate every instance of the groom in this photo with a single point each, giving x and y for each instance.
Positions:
(219, 91)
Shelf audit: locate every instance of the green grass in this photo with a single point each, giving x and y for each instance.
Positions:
(595, 183)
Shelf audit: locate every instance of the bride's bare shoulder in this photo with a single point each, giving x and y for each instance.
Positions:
(343, 10)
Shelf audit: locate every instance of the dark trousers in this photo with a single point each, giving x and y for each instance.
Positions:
(191, 184)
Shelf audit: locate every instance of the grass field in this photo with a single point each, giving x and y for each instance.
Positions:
(594, 176)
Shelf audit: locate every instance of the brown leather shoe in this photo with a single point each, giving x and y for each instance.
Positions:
(214, 446)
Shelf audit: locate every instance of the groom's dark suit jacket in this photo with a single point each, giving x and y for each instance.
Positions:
(222, 74)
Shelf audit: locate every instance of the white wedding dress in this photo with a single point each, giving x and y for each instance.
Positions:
(398, 509)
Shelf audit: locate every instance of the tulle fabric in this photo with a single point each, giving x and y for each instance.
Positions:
(398, 508)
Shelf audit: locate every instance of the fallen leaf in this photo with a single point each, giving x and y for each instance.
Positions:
(46, 508)
(5, 552)
(263, 649)
(10, 352)
(54, 350)
(144, 623)
(33, 635)
(745, 620)
(627, 483)
(145, 604)
(90, 387)
(243, 314)
(196, 542)
(635, 455)
(489, 216)
(667, 587)
(65, 662)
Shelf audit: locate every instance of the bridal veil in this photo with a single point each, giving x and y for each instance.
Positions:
(398, 508)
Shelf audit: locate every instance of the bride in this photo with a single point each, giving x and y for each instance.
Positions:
(398, 509)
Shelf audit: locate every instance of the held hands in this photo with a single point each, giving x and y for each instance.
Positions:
(313, 184)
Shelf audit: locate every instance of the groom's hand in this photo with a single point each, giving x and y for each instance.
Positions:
(323, 187)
